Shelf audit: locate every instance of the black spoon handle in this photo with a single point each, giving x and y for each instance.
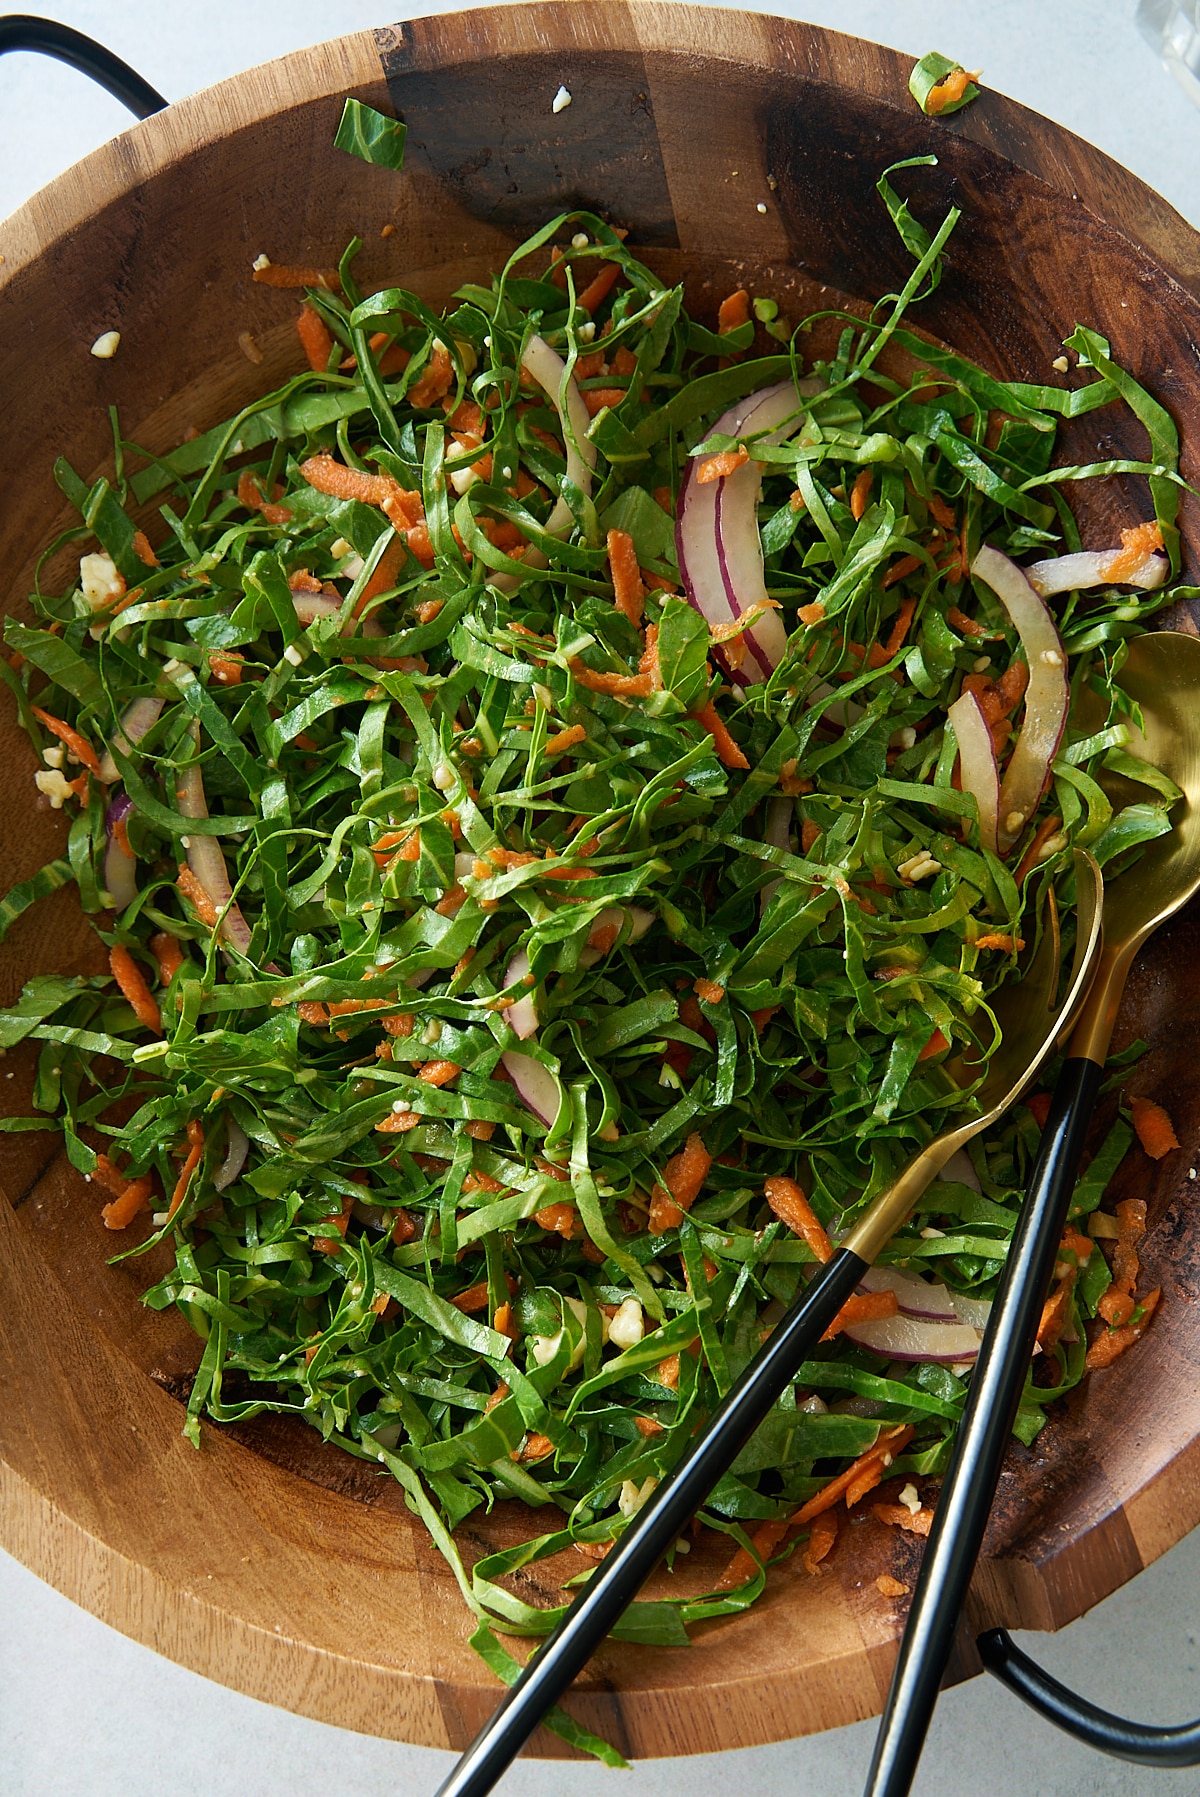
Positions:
(997, 1381)
(618, 1579)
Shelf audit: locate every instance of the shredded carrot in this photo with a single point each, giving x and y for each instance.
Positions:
(404, 1227)
(733, 312)
(333, 477)
(400, 1023)
(597, 398)
(872, 1465)
(997, 939)
(683, 1176)
(397, 845)
(599, 288)
(439, 1073)
(667, 1372)
(316, 339)
(860, 493)
(958, 620)
(1136, 544)
(810, 833)
(434, 381)
(226, 669)
(398, 1123)
(899, 1516)
(132, 981)
(1045, 832)
(863, 1307)
(891, 1441)
(481, 1182)
(105, 1174)
(899, 629)
(535, 1447)
(565, 739)
(726, 461)
(727, 750)
(477, 1296)
(628, 595)
(1054, 1311)
(821, 1537)
(198, 895)
(1155, 1131)
(561, 1219)
(760, 1019)
(908, 564)
(428, 610)
(948, 91)
(388, 567)
(632, 686)
(333, 1244)
(936, 1044)
(78, 745)
(312, 1011)
(134, 1198)
(1105, 1349)
(940, 512)
(790, 1205)
(196, 1138)
(141, 548)
(709, 991)
(279, 274)
(504, 1322)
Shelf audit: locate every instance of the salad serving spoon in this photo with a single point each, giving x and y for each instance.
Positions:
(1033, 1018)
(1162, 675)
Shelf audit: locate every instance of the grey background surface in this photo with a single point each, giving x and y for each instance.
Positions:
(86, 1713)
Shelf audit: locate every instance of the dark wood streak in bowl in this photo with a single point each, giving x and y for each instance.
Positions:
(265, 1561)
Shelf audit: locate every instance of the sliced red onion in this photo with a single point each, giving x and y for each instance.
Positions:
(717, 543)
(974, 1312)
(616, 917)
(977, 764)
(960, 1170)
(917, 1338)
(141, 716)
(1090, 568)
(120, 869)
(535, 1083)
(237, 1147)
(311, 606)
(208, 863)
(521, 1017)
(916, 1297)
(1047, 698)
(548, 369)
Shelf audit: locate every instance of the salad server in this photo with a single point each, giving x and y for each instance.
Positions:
(1036, 1024)
(1162, 674)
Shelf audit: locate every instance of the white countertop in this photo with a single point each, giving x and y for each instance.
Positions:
(86, 1713)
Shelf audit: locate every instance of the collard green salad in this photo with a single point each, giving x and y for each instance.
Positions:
(561, 784)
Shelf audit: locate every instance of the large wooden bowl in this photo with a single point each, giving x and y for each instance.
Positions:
(265, 1561)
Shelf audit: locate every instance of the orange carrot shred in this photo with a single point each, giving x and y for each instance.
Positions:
(733, 312)
(790, 1205)
(134, 1198)
(132, 981)
(1106, 1347)
(333, 1244)
(439, 1073)
(78, 745)
(201, 902)
(727, 750)
(948, 91)
(726, 461)
(1136, 544)
(316, 339)
(822, 1535)
(863, 1307)
(565, 739)
(860, 493)
(599, 288)
(596, 398)
(628, 596)
(188, 1168)
(935, 1045)
(683, 1176)
(1154, 1128)
(558, 1218)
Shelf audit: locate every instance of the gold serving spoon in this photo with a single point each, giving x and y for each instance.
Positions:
(1162, 674)
(1036, 1022)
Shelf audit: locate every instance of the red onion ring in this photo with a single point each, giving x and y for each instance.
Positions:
(120, 870)
(206, 861)
(1047, 698)
(977, 764)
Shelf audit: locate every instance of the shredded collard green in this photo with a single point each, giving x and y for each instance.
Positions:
(427, 780)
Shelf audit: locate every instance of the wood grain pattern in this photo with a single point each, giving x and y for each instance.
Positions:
(266, 1561)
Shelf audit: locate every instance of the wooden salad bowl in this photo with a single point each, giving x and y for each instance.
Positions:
(267, 1561)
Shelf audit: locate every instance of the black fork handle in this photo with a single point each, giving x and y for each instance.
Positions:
(46, 37)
